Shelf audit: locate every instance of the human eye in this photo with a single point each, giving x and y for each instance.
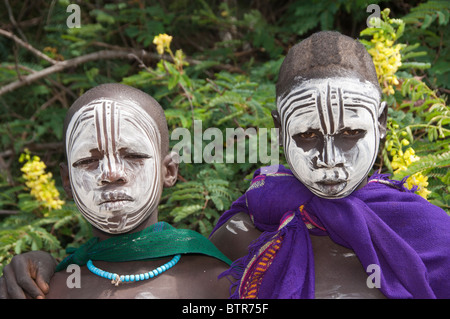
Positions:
(306, 135)
(86, 162)
(136, 156)
(306, 138)
(353, 132)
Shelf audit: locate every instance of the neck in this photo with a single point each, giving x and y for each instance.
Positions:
(152, 219)
(363, 183)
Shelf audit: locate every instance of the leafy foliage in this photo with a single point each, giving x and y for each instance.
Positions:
(197, 203)
(222, 71)
(31, 231)
(415, 111)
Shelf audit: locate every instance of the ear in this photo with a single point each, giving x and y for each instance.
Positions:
(170, 169)
(382, 119)
(64, 171)
(277, 123)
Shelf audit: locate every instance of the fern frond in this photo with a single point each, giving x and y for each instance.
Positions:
(429, 8)
(182, 212)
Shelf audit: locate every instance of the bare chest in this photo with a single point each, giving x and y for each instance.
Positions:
(82, 284)
(194, 276)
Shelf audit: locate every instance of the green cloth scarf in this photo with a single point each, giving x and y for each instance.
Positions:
(156, 241)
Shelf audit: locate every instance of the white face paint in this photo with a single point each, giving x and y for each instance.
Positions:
(113, 151)
(331, 134)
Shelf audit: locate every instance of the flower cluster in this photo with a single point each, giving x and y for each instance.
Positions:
(41, 184)
(162, 42)
(401, 160)
(387, 59)
(385, 53)
(421, 181)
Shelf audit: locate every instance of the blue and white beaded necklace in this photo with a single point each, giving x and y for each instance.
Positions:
(116, 279)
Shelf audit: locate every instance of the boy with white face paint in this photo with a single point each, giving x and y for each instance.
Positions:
(323, 229)
(116, 142)
(330, 114)
(329, 137)
(124, 150)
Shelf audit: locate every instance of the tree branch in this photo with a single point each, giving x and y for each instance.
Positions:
(60, 66)
(13, 20)
(9, 212)
(57, 84)
(167, 57)
(27, 46)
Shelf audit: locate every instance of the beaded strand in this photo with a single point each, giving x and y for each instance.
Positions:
(117, 279)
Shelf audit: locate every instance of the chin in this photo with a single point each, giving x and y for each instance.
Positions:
(115, 229)
(336, 191)
(331, 188)
(114, 221)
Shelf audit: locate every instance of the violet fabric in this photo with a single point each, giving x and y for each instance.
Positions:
(384, 223)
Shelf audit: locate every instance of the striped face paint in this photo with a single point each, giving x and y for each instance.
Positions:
(113, 151)
(330, 133)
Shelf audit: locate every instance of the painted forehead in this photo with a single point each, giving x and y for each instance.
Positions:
(108, 117)
(331, 100)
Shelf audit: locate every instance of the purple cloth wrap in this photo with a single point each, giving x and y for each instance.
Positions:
(383, 223)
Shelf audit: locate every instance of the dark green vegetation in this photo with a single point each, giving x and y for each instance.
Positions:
(225, 76)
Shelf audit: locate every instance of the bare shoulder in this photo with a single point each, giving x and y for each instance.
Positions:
(234, 237)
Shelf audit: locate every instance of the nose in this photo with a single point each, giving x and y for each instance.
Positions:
(330, 156)
(112, 171)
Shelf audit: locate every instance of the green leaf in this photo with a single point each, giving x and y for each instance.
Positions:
(183, 212)
(18, 247)
(427, 21)
(29, 205)
(415, 65)
(102, 16)
(173, 81)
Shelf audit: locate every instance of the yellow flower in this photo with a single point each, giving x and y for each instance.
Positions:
(41, 184)
(421, 182)
(398, 164)
(401, 161)
(387, 59)
(162, 42)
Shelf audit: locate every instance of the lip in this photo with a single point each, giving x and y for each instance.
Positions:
(114, 205)
(332, 181)
(115, 198)
(332, 187)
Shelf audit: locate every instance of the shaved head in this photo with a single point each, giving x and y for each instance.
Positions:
(325, 54)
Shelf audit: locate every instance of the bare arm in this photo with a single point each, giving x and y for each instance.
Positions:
(28, 275)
